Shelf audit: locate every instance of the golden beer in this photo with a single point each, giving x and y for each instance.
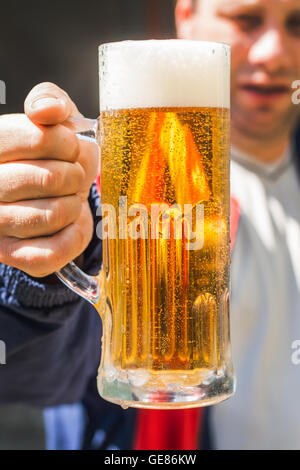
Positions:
(168, 305)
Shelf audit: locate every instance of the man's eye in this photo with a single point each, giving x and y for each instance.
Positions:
(248, 22)
(293, 25)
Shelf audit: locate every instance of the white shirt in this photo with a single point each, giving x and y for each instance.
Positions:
(265, 309)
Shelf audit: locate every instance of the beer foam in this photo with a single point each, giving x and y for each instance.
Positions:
(164, 73)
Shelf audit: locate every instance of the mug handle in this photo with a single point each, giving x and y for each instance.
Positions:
(88, 287)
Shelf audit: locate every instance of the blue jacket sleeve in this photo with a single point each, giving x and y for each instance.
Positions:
(52, 336)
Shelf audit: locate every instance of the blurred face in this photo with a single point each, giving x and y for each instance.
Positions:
(265, 39)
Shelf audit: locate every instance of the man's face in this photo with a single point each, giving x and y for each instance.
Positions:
(264, 36)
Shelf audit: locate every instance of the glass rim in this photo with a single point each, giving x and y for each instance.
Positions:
(115, 44)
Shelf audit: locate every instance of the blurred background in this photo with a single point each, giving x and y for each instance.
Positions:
(58, 41)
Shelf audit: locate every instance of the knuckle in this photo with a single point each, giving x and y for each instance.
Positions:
(71, 142)
(79, 176)
(51, 181)
(76, 206)
(74, 148)
(5, 218)
(46, 180)
(55, 215)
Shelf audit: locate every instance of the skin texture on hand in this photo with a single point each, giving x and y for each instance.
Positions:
(45, 180)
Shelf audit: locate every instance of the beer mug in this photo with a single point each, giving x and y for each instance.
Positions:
(163, 290)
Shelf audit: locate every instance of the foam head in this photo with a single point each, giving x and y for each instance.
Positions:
(166, 73)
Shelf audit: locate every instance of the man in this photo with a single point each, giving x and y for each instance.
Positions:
(265, 40)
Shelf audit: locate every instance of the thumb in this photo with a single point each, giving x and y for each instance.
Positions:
(47, 104)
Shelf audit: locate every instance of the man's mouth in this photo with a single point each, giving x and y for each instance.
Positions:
(266, 91)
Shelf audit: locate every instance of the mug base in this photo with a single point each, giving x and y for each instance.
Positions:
(212, 389)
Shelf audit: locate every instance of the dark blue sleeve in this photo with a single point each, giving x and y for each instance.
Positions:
(52, 336)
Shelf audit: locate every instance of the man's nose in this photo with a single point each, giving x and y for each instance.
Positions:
(270, 51)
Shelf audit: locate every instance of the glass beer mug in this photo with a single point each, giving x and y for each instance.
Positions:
(163, 290)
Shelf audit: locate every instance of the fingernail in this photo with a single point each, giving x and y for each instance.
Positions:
(46, 102)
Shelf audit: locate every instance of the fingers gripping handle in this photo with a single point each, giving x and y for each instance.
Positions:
(86, 286)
